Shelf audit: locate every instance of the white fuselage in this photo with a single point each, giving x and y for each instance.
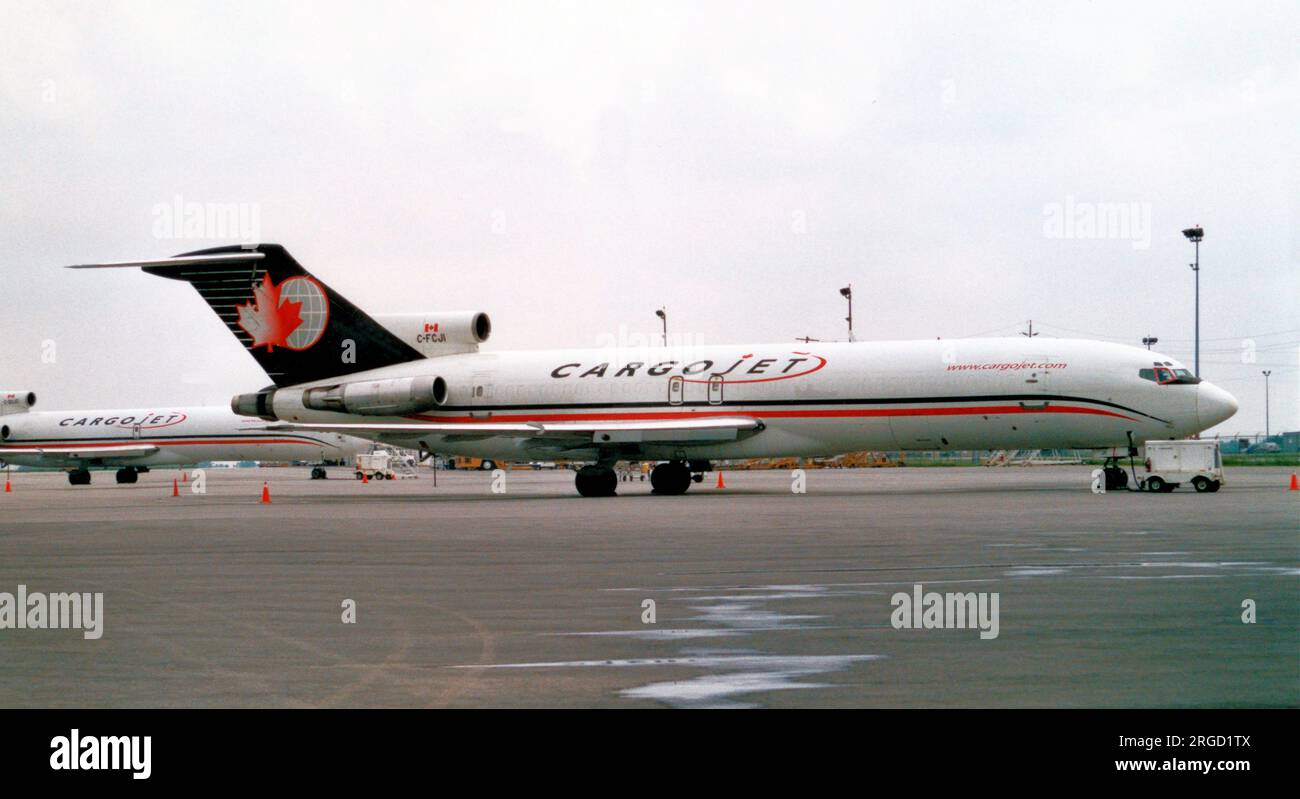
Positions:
(157, 437)
(813, 399)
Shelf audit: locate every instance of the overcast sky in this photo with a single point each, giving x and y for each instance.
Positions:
(571, 168)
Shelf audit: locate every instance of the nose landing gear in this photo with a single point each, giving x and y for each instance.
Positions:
(1115, 476)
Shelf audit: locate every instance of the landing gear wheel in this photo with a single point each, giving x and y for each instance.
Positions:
(596, 481)
(80, 477)
(670, 478)
(127, 475)
(1116, 478)
(318, 473)
(1203, 484)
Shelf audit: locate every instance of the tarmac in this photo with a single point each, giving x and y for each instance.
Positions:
(762, 597)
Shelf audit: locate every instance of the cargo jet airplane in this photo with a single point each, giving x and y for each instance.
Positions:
(419, 381)
(136, 440)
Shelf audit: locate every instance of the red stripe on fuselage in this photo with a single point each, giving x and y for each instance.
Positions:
(148, 441)
(848, 413)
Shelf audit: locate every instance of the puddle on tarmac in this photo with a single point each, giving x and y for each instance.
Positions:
(732, 675)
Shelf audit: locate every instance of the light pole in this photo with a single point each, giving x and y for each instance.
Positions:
(1194, 235)
(1149, 340)
(662, 313)
(847, 293)
(1266, 428)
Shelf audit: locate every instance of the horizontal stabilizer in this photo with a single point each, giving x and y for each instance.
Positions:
(297, 328)
(180, 261)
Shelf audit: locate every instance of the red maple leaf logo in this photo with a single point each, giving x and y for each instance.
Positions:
(265, 319)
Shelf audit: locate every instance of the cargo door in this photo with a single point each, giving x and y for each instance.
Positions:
(481, 393)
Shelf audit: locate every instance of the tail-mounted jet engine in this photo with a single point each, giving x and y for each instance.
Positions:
(390, 397)
(379, 397)
(439, 332)
(16, 402)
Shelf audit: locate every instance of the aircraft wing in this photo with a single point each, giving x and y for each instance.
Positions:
(685, 430)
(83, 452)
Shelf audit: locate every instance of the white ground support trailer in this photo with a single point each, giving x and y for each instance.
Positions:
(376, 466)
(1171, 463)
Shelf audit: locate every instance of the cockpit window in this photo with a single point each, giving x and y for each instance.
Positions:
(1166, 375)
(1176, 377)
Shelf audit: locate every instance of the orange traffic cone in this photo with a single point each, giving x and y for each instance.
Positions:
(176, 488)
(1295, 483)
(266, 494)
(9, 489)
(185, 477)
(364, 478)
(721, 484)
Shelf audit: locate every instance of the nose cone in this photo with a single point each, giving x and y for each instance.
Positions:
(1213, 405)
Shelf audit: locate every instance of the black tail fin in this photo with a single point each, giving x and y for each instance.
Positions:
(296, 327)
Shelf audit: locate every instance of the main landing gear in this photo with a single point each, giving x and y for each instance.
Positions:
(673, 477)
(596, 481)
(127, 474)
(79, 477)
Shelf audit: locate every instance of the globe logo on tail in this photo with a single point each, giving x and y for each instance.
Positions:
(292, 314)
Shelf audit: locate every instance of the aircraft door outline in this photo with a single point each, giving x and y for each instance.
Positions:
(676, 389)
